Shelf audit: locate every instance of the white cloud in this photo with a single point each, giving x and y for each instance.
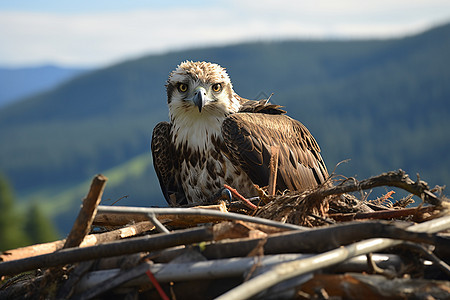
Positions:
(102, 38)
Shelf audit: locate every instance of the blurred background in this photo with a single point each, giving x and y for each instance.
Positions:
(82, 86)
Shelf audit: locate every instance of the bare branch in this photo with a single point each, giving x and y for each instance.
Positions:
(394, 178)
(289, 270)
(138, 244)
(89, 240)
(83, 223)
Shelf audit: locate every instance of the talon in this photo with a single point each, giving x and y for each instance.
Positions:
(226, 194)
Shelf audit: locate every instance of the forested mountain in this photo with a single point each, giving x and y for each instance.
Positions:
(16, 83)
(385, 104)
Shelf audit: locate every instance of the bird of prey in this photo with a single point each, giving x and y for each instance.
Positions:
(216, 137)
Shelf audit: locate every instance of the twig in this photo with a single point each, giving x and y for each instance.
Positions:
(429, 255)
(106, 219)
(87, 212)
(123, 197)
(313, 241)
(156, 284)
(110, 283)
(289, 270)
(67, 289)
(89, 240)
(394, 178)
(218, 215)
(188, 271)
(273, 170)
(138, 244)
(159, 226)
(382, 214)
(240, 197)
(375, 269)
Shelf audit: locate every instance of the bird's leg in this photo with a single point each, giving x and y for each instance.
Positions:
(222, 194)
(240, 197)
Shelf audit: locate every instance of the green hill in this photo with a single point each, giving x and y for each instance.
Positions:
(385, 104)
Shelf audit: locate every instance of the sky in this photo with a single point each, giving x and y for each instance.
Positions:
(95, 33)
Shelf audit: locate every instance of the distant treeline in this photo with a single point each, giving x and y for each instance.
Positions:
(384, 104)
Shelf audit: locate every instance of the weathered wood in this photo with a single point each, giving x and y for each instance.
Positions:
(32, 250)
(89, 240)
(364, 286)
(314, 241)
(83, 222)
(138, 244)
(302, 266)
(108, 219)
(178, 211)
(112, 282)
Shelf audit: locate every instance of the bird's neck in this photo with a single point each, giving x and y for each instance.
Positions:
(196, 130)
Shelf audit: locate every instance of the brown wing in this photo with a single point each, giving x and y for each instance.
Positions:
(260, 106)
(166, 165)
(249, 137)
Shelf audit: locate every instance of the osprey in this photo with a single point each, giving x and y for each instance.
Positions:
(216, 137)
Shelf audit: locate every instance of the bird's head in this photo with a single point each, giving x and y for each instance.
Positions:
(200, 89)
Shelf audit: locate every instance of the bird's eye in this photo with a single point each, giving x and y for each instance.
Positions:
(217, 87)
(182, 87)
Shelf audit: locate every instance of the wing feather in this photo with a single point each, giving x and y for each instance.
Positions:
(249, 137)
(166, 164)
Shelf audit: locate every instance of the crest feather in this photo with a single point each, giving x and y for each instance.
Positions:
(200, 70)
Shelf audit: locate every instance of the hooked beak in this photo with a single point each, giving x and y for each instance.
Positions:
(199, 98)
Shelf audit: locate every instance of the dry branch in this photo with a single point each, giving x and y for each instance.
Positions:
(383, 214)
(353, 286)
(227, 246)
(313, 241)
(109, 283)
(108, 220)
(310, 208)
(292, 269)
(212, 269)
(138, 244)
(177, 211)
(83, 223)
(394, 178)
(89, 240)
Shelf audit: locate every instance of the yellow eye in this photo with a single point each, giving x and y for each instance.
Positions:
(217, 87)
(182, 87)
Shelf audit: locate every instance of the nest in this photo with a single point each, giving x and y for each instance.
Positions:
(321, 243)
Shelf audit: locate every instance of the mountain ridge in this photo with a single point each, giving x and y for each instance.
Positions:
(381, 103)
(22, 82)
